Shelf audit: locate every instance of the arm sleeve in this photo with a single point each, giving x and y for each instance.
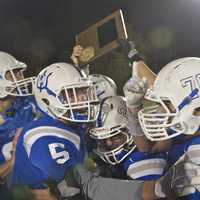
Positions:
(98, 188)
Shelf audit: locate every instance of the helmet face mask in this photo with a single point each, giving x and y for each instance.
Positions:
(68, 98)
(12, 78)
(112, 143)
(157, 119)
(77, 102)
(175, 95)
(114, 148)
(23, 87)
(113, 140)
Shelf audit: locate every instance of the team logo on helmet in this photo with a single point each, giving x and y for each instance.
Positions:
(42, 83)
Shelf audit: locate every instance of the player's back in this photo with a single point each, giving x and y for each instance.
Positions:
(45, 150)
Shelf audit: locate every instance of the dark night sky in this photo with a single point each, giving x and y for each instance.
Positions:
(40, 32)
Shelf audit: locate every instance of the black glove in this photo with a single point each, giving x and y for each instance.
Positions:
(129, 50)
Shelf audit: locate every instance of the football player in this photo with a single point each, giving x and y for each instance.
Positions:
(174, 113)
(16, 107)
(134, 90)
(51, 145)
(115, 145)
(97, 187)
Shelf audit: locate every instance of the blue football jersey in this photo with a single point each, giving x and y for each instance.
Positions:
(191, 149)
(145, 166)
(45, 150)
(18, 115)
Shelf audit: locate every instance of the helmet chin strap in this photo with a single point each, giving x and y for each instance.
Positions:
(79, 116)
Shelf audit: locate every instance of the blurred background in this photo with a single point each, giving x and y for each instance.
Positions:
(41, 32)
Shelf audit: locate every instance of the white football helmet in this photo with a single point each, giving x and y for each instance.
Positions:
(63, 92)
(16, 84)
(177, 100)
(105, 86)
(113, 140)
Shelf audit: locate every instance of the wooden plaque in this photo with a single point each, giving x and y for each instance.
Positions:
(102, 36)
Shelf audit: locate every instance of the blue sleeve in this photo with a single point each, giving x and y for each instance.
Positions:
(145, 166)
(191, 147)
(24, 172)
(191, 196)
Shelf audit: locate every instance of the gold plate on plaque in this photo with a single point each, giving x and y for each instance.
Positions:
(87, 54)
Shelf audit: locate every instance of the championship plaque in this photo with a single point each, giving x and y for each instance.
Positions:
(101, 37)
